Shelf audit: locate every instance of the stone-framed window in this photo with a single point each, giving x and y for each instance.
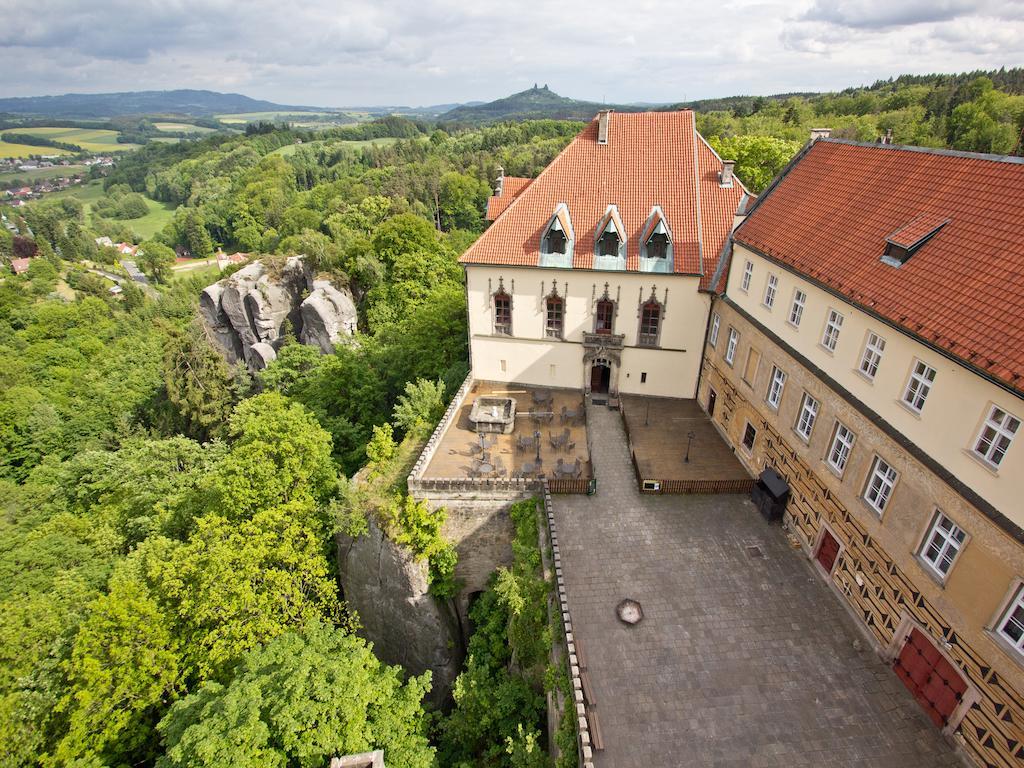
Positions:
(749, 436)
(942, 544)
(872, 356)
(807, 416)
(650, 323)
(796, 310)
(995, 436)
(919, 384)
(839, 451)
(881, 481)
(1010, 626)
(771, 289)
(502, 313)
(833, 326)
(554, 316)
(776, 384)
(716, 323)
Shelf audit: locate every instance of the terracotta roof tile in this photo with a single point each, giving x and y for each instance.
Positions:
(512, 187)
(829, 216)
(651, 158)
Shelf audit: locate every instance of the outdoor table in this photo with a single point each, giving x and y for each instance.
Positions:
(569, 414)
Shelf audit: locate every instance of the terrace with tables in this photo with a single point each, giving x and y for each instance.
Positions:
(507, 431)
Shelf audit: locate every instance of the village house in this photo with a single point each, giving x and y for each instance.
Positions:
(596, 275)
(869, 347)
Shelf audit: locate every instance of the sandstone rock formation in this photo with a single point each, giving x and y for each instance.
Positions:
(245, 313)
(387, 586)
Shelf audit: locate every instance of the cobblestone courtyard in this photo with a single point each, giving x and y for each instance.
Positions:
(740, 661)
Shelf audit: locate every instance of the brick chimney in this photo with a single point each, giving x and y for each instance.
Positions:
(725, 178)
(499, 183)
(603, 118)
(820, 133)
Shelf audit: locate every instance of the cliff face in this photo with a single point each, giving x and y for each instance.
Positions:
(246, 312)
(387, 587)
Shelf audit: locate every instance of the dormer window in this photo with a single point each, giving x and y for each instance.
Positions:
(556, 240)
(610, 245)
(911, 237)
(656, 244)
(556, 246)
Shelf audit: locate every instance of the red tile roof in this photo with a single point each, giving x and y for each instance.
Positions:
(20, 266)
(962, 291)
(918, 229)
(512, 187)
(651, 158)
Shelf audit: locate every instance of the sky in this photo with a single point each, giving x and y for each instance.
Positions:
(419, 52)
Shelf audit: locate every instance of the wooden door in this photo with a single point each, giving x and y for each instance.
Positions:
(936, 684)
(828, 550)
(600, 378)
(712, 399)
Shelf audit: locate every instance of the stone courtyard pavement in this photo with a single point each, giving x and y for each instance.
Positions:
(740, 661)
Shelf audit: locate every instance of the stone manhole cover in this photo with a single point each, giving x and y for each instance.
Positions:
(629, 612)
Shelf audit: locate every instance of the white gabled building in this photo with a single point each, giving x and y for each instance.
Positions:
(596, 275)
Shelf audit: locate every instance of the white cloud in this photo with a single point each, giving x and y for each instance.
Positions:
(337, 52)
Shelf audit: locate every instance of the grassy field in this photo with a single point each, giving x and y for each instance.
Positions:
(290, 149)
(145, 226)
(182, 128)
(89, 139)
(240, 118)
(42, 173)
(24, 150)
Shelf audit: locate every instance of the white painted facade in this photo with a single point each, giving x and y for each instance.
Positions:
(530, 356)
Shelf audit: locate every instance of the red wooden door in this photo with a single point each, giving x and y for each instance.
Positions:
(828, 550)
(935, 683)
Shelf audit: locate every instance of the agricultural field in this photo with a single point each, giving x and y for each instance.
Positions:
(241, 118)
(40, 174)
(90, 139)
(24, 150)
(182, 128)
(145, 226)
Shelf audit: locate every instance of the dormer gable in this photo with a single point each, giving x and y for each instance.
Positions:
(559, 240)
(656, 243)
(610, 241)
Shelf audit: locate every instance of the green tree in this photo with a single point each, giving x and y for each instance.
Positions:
(308, 695)
(758, 158)
(197, 238)
(157, 259)
(198, 382)
(421, 407)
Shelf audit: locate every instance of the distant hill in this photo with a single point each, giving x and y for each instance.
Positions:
(532, 104)
(181, 102)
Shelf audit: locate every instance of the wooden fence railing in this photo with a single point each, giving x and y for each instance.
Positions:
(653, 485)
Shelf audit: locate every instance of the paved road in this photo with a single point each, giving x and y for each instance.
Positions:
(741, 661)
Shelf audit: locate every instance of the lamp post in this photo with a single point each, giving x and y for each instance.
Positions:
(689, 439)
(536, 437)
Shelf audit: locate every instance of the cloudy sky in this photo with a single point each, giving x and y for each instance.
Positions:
(418, 52)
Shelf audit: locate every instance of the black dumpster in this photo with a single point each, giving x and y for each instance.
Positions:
(770, 494)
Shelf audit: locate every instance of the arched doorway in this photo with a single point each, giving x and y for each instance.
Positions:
(600, 377)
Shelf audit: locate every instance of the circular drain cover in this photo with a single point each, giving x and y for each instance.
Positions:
(629, 611)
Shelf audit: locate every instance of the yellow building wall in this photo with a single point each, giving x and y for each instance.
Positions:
(529, 357)
(955, 408)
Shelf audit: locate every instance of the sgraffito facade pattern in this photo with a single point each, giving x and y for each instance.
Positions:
(879, 591)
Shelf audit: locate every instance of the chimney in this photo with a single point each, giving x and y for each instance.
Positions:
(888, 136)
(725, 179)
(603, 118)
(820, 133)
(499, 183)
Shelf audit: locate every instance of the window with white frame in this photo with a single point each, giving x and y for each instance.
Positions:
(919, 384)
(842, 445)
(942, 544)
(730, 347)
(775, 387)
(1011, 623)
(881, 481)
(996, 435)
(873, 349)
(716, 323)
(796, 311)
(808, 413)
(770, 289)
(748, 272)
(830, 338)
